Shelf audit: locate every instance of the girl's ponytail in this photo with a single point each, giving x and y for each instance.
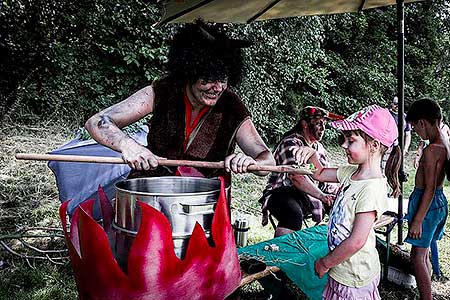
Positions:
(392, 168)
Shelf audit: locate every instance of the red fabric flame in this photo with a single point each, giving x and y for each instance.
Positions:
(154, 271)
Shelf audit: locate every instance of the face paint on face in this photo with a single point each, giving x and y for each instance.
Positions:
(317, 128)
(207, 92)
(356, 149)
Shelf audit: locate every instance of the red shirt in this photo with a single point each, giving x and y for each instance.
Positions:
(188, 127)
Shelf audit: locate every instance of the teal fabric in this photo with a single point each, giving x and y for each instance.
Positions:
(296, 256)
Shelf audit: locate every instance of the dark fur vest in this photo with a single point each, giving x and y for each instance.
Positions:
(214, 136)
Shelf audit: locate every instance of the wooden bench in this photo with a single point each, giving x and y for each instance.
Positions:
(384, 221)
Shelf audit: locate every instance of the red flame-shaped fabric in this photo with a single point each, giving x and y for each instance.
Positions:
(154, 271)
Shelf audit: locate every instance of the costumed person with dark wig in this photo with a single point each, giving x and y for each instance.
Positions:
(195, 114)
(290, 198)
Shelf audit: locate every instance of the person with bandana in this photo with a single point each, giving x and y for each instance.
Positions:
(290, 198)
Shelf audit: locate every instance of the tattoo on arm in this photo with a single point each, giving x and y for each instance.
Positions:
(105, 121)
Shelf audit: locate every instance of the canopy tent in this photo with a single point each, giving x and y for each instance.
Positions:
(237, 11)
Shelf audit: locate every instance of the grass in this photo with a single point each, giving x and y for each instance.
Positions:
(28, 197)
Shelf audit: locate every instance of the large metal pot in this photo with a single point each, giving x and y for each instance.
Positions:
(183, 200)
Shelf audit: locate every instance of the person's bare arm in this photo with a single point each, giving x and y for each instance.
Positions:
(361, 228)
(432, 166)
(446, 131)
(407, 141)
(326, 175)
(105, 128)
(305, 184)
(305, 155)
(254, 148)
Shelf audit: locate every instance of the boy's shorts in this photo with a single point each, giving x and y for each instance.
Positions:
(434, 222)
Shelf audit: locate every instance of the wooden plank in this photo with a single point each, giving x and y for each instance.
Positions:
(247, 278)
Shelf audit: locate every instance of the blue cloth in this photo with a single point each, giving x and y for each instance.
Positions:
(79, 181)
(296, 256)
(434, 222)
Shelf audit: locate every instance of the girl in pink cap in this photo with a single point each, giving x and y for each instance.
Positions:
(352, 264)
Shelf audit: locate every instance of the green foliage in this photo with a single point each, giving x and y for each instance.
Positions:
(76, 57)
(68, 59)
(361, 54)
(284, 53)
(362, 51)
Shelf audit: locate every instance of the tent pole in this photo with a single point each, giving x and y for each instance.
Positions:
(401, 107)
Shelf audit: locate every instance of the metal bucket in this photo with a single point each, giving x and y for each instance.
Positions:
(183, 200)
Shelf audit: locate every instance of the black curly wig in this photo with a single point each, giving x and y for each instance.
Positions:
(203, 51)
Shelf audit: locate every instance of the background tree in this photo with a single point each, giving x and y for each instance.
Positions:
(67, 59)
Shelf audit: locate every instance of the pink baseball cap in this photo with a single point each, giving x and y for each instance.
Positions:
(375, 121)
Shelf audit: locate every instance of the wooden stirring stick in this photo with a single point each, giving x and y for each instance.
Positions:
(162, 162)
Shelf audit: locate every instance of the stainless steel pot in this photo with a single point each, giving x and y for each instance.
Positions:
(183, 200)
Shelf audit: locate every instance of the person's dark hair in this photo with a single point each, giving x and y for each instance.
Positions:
(204, 51)
(425, 109)
(392, 168)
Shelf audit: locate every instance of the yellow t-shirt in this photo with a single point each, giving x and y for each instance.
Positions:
(356, 196)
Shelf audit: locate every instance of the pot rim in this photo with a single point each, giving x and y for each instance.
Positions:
(169, 194)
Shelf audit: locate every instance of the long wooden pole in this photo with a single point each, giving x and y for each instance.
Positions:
(162, 162)
(401, 109)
